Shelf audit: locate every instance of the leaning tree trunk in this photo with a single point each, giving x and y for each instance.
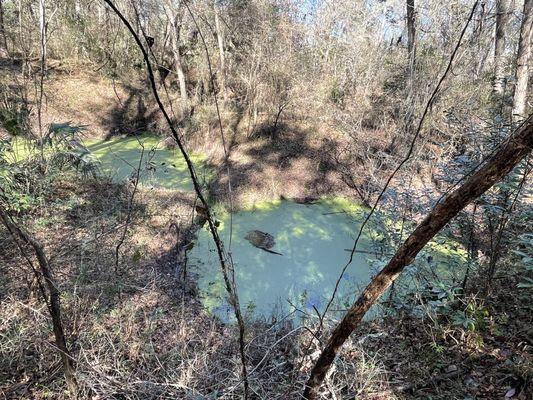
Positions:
(53, 299)
(500, 164)
(502, 19)
(523, 59)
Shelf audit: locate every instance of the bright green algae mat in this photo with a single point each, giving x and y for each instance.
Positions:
(119, 158)
(312, 239)
(162, 168)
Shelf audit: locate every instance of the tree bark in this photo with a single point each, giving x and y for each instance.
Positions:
(3, 39)
(179, 67)
(42, 30)
(53, 301)
(502, 19)
(500, 164)
(220, 39)
(411, 34)
(174, 38)
(523, 60)
(411, 57)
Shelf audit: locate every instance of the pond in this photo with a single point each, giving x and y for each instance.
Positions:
(312, 239)
(160, 167)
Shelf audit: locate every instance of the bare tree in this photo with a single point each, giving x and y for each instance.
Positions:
(3, 39)
(502, 20)
(500, 164)
(42, 30)
(523, 60)
(411, 34)
(220, 39)
(175, 25)
(411, 57)
(51, 294)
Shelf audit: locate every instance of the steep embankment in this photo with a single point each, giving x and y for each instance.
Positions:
(301, 160)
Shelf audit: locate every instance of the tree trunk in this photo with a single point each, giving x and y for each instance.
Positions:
(220, 39)
(411, 33)
(179, 67)
(53, 301)
(523, 60)
(3, 39)
(42, 30)
(411, 56)
(515, 149)
(174, 38)
(502, 19)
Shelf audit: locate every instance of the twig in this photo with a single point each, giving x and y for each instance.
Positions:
(130, 207)
(240, 321)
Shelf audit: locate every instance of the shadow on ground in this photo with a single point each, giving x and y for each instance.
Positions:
(290, 163)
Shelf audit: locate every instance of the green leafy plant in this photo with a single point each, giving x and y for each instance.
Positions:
(473, 317)
(68, 150)
(12, 180)
(27, 166)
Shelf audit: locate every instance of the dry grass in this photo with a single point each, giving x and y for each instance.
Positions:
(139, 333)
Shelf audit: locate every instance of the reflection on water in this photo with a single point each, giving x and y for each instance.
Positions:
(312, 239)
(160, 167)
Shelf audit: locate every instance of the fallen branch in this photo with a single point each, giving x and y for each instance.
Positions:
(52, 298)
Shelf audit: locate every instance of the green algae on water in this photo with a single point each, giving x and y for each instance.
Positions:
(160, 167)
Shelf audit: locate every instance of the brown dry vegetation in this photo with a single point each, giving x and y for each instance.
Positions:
(142, 333)
(139, 331)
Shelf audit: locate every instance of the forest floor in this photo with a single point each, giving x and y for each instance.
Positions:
(139, 331)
